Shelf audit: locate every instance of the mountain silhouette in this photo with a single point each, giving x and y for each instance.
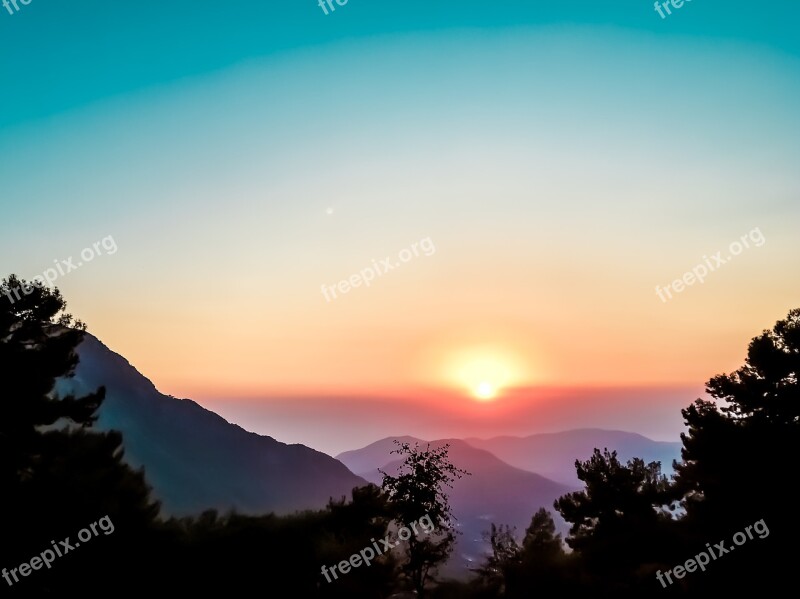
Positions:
(195, 459)
(553, 454)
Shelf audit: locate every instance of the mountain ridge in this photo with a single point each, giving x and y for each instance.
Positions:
(195, 459)
(553, 454)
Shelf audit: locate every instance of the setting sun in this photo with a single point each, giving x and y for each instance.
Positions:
(484, 370)
(485, 391)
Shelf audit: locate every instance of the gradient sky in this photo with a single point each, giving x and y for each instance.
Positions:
(563, 158)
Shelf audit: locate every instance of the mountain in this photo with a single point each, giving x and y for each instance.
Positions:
(553, 454)
(494, 492)
(195, 459)
(376, 455)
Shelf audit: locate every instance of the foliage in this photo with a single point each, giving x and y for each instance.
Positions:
(417, 492)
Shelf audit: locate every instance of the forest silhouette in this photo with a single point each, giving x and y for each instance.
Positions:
(630, 522)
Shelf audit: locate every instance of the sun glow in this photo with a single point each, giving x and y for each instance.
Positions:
(485, 391)
(484, 371)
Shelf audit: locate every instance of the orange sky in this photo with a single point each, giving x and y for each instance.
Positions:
(556, 197)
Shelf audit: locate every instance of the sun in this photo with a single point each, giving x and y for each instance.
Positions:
(484, 371)
(485, 391)
(481, 364)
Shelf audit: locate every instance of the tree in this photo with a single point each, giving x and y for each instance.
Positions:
(36, 347)
(737, 457)
(37, 343)
(503, 563)
(348, 530)
(539, 562)
(541, 540)
(416, 493)
(56, 475)
(620, 518)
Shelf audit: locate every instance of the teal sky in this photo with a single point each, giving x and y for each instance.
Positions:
(564, 157)
(59, 55)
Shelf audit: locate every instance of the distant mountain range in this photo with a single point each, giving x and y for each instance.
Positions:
(196, 460)
(553, 454)
(512, 477)
(494, 492)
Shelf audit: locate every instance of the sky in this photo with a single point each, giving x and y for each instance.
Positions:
(521, 182)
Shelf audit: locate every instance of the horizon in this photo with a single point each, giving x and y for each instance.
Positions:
(347, 422)
(343, 423)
